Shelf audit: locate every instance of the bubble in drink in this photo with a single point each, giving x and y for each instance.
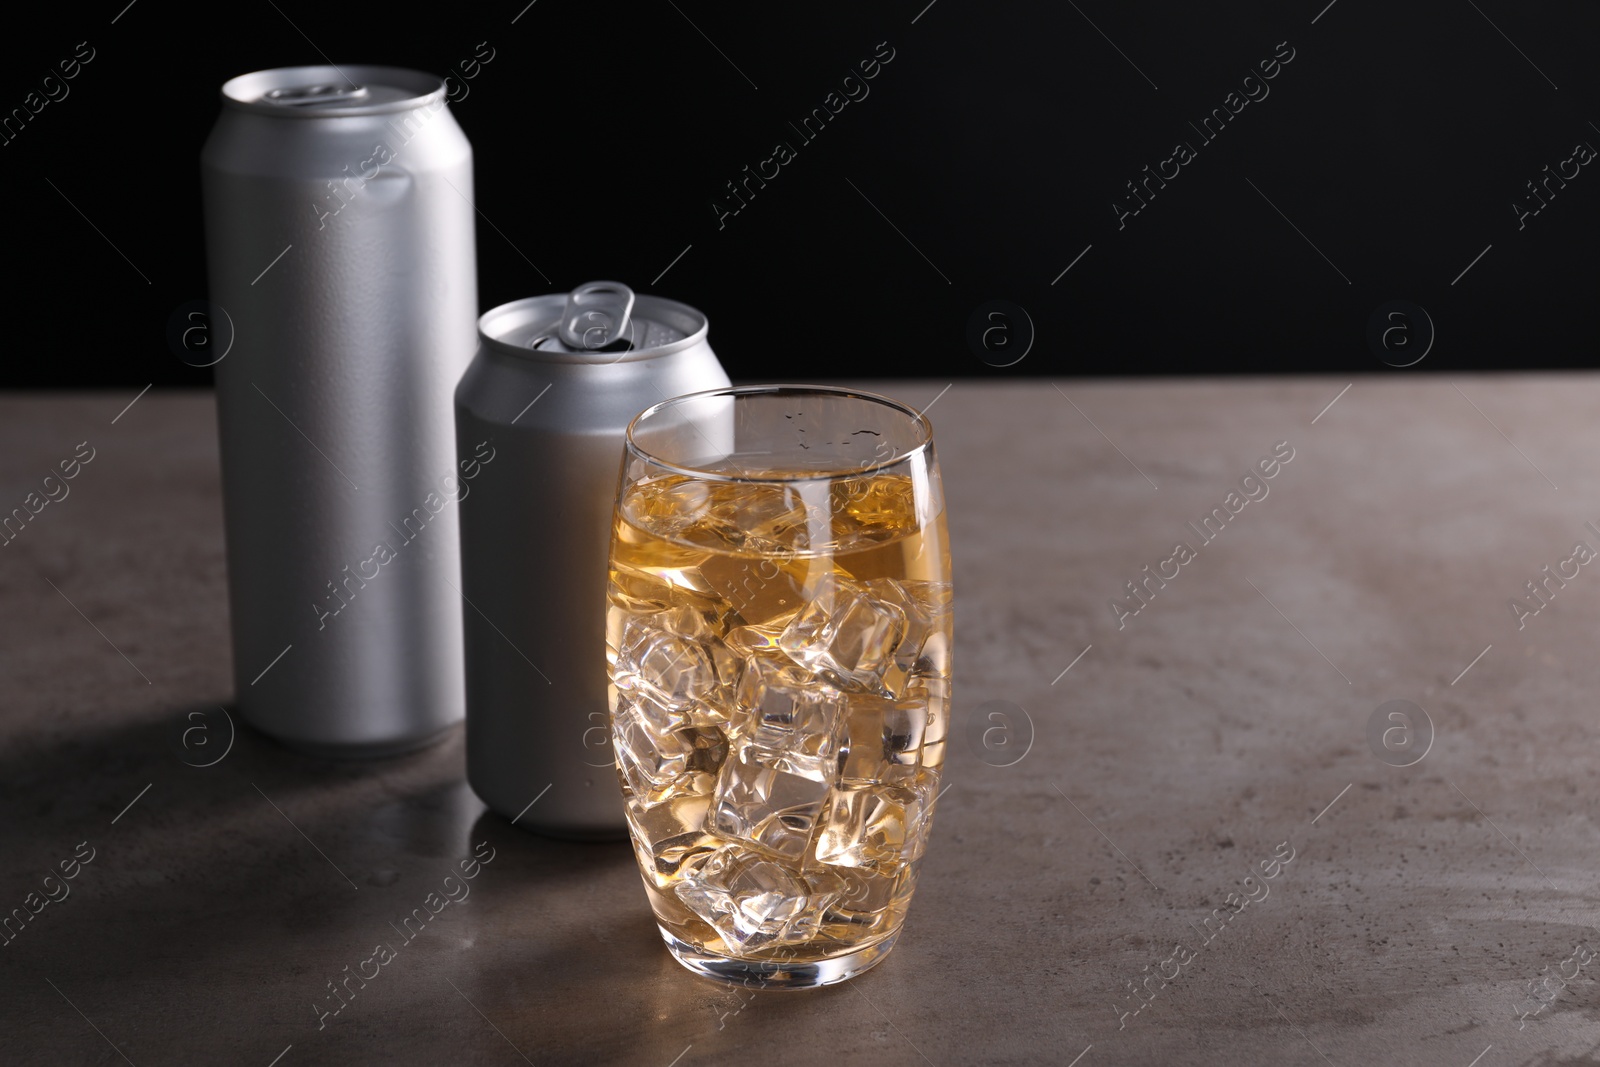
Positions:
(780, 660)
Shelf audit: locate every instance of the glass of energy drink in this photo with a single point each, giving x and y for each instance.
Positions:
(778, 634)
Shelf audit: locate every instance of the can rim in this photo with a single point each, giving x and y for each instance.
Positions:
(497, 321)
(918, 419)
(243, 91)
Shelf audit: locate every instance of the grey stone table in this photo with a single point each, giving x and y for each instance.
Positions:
(1124, 814)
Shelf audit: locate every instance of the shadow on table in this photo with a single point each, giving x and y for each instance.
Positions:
(594, 976)
(264, 876)
(273, 868)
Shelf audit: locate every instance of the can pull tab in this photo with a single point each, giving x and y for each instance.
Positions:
(596, 315)
(320, 95)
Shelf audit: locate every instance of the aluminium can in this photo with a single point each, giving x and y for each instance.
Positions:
(339, 242)
(552, 389)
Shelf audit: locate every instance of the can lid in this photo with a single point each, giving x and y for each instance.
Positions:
(598, 322)
(597, 314)
(330, 92)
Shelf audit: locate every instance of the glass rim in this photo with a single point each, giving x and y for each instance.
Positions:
(917, 418)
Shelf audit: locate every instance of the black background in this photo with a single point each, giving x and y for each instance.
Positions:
(996, 141)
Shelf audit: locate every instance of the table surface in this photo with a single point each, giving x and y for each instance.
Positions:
(1156, 777)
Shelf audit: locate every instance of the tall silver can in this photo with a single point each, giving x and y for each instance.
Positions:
(339, 240)
(553, 387)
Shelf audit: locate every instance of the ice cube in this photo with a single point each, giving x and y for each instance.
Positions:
(674, 669)
(670, 838)
(864, 901)
(764, 804)
(884, 738)
(716, 706)
(772, 514)
(752, 901)
(878, 826)
(695, 621)
(934, 597)
(659, 717)
(932, 691)
(708, 749)
(649, 758)
(883, 504)
(793, 719)
(674, 504)
(750, 641)
(845, 635)
(922, 648)
(660, 755)
(727, 663)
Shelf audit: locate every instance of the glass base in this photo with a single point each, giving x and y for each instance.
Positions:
(778, 974)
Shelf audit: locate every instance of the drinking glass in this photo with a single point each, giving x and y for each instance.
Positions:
(778, 633)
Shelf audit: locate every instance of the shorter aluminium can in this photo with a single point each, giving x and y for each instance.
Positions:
(554, 384)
